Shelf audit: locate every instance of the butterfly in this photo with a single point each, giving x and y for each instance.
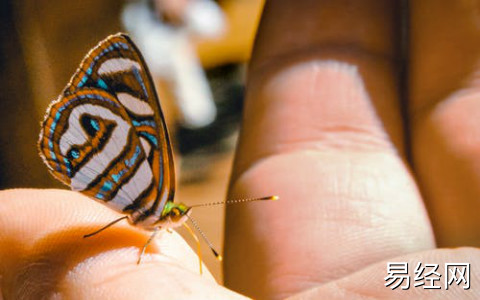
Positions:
(105, 136)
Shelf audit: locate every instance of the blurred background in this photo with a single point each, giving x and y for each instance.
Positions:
(196, 51)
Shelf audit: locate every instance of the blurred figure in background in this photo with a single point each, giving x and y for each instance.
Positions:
(165, 40)
(41, 43)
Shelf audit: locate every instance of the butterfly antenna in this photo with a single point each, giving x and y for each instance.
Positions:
(210, 245)
(235, 201)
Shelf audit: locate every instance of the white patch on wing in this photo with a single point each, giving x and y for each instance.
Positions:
(75, 135)
(135, 105)
(116, 65)
(146, 146)
(133, 188)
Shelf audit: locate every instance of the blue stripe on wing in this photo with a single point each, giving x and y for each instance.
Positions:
(58, 115)
(112, 47)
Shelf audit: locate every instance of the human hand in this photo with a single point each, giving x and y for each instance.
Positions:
(43, 254)
(323, 130)
(329, 128)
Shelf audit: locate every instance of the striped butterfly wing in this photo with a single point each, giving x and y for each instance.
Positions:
(105, 135)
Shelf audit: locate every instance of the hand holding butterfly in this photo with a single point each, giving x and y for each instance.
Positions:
(43, 254)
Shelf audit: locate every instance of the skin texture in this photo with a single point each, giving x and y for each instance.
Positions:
(43, 255)
(324, 128)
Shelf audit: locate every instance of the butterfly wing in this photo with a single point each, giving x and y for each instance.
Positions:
(106, 137)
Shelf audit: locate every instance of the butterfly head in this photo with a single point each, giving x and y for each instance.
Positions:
(173, 215)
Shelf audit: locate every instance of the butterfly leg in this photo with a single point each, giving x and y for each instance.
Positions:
(105, 227)
(199, 249)
(155, 231)
(169, 230)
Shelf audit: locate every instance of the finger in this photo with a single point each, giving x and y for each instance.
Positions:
(445, 115)
(322, 130)
(43, 254)
(321, 31)
(371, 281)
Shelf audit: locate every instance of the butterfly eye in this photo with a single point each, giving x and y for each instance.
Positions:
(90, 125)
(73, 154)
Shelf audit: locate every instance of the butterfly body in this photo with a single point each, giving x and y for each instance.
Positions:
(105, 136)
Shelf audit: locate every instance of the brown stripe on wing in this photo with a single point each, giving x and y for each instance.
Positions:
(167, 167)
(114, 167)
(94, 59)
(143, 201)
